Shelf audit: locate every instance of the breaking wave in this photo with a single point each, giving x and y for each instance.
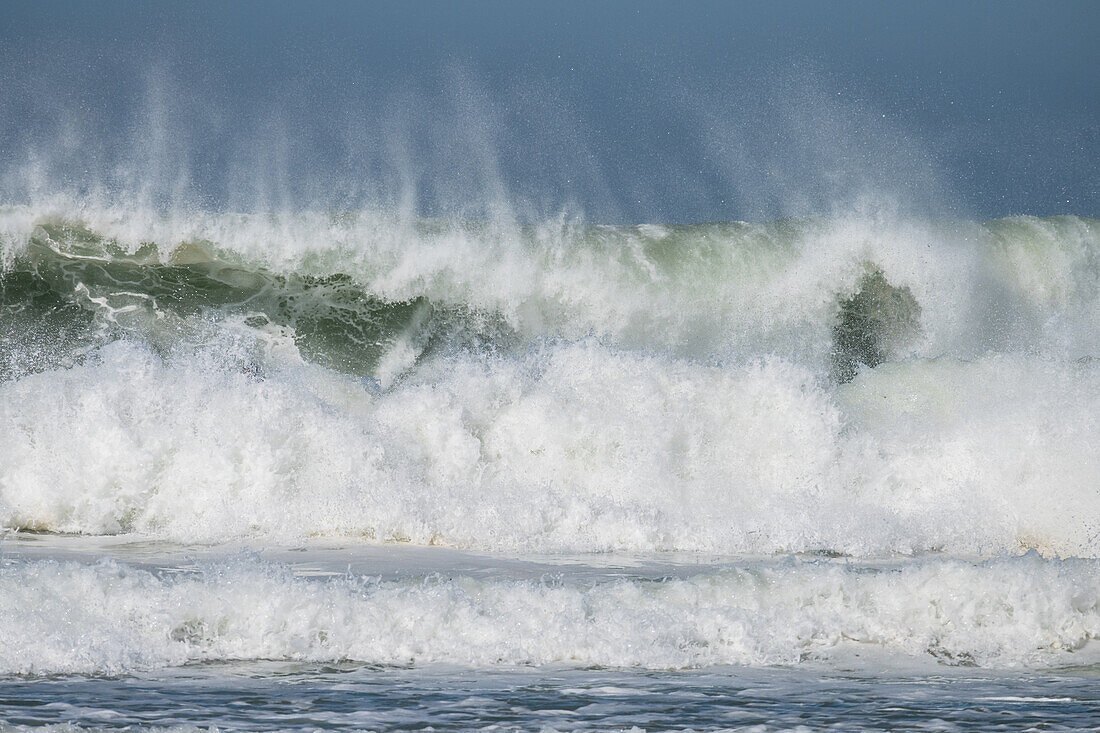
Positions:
(847, 386)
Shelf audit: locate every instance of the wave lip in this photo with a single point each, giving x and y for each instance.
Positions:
(112, 618)
(700, 291)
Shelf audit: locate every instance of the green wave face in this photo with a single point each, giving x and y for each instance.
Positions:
(71, 290)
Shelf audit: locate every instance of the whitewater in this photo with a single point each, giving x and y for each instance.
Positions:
(549, 476)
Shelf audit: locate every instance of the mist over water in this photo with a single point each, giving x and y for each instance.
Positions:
(623, 114)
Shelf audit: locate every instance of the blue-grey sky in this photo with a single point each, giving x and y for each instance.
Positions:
(622, 111)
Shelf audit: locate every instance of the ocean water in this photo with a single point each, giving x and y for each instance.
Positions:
(354, 470)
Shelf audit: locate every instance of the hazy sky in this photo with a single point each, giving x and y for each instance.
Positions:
(625, 111)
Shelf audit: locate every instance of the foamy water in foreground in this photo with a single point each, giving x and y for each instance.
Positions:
(109, 632)
(360, 472)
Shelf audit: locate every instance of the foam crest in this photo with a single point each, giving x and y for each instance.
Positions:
(718, 289)
(112, 618)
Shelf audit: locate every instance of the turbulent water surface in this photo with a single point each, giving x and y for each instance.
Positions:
(352, 470)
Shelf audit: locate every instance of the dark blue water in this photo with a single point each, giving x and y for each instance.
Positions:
(271, 696)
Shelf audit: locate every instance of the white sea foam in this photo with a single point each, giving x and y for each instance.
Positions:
(111, 618)
(574, 447)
